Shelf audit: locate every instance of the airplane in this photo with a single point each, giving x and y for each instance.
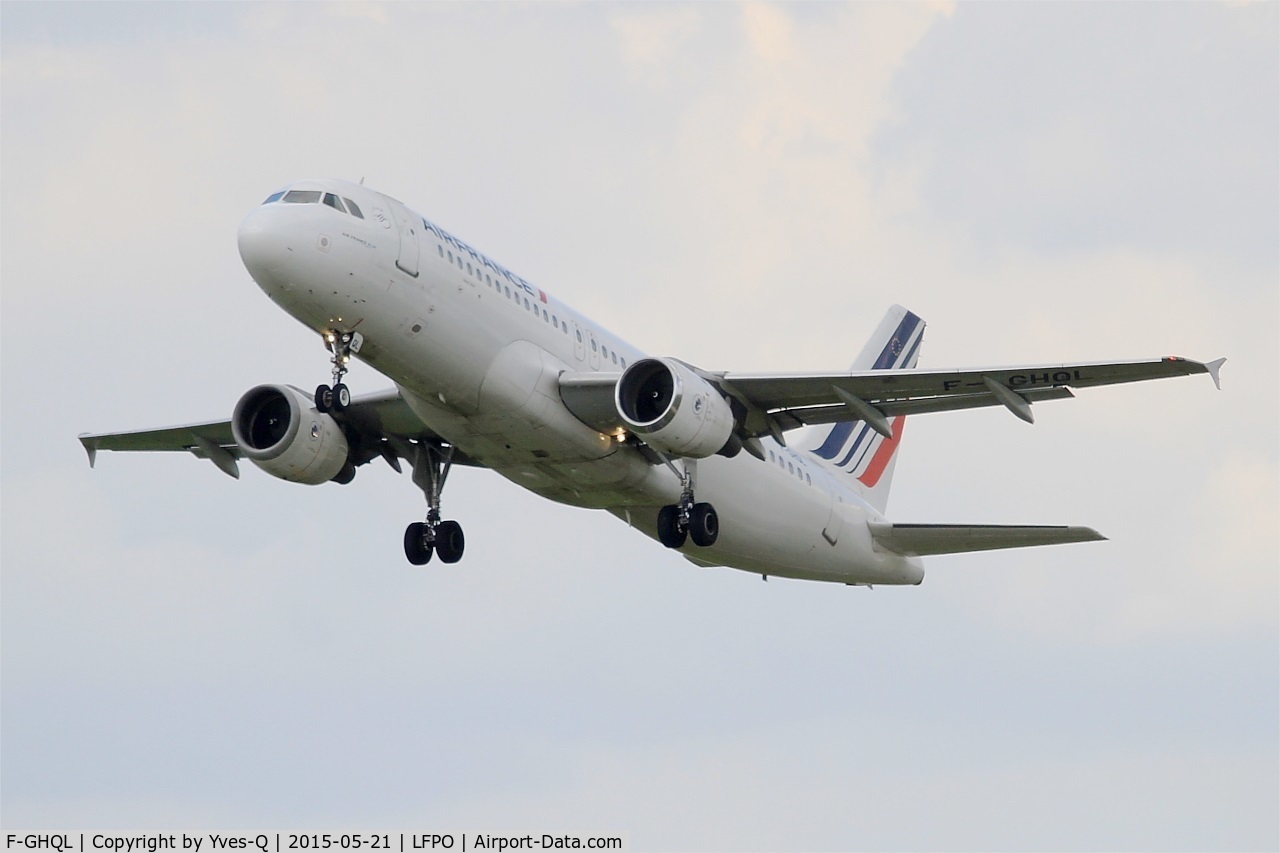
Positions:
(782, 475)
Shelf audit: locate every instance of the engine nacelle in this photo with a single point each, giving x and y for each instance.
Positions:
(279, 430)
(675, 409)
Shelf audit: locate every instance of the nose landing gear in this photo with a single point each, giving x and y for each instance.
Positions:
(423, 538)
(342, 345)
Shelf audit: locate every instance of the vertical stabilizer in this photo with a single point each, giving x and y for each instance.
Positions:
(855, 449)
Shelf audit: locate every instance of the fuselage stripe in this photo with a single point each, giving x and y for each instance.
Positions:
(893, 348)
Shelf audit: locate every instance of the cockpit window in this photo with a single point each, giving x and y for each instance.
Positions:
(274, 197)
(302, 196)
(355, 211)
(332, 200)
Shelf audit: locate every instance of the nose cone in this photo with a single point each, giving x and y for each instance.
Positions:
(264, 246)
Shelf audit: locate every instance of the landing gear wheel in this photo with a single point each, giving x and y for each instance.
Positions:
(324, 398)
(670, 531)
(431, 466)
(341, 397)
(704, 525)
(416, 548)
(342, 345)
(450, 542)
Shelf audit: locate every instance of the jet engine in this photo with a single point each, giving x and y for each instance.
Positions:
(279, 430)
(675, 410)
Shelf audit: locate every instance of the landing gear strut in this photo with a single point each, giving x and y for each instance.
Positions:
(676, 522)
(423, 538)
(342, 345)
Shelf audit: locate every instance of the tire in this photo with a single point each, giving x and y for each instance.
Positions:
(704, 525)
(417, 551)
(324, 398)
(670, 533)
(450, 542)
(341, 397)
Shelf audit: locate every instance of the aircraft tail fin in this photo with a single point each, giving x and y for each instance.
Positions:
(856, 449)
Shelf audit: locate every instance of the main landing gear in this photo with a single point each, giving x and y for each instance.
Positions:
(423, 538)
(342, 345)
(687, 519)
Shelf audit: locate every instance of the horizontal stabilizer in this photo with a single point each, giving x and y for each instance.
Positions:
(922, 540)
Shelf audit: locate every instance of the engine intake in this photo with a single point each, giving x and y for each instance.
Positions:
(675, 409)
(279, 430)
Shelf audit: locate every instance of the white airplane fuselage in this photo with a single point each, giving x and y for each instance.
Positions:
(477, 352)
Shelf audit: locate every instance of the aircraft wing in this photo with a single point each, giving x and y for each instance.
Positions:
(381, 424)
(923, 540)
(773, 403)
(777, 403)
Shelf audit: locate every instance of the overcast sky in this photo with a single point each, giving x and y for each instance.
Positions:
(742, 186)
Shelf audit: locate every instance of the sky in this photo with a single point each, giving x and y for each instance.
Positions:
(746, 187)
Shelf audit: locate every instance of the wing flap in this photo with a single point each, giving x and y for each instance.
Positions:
(817, 415)
(589, 397)
(923, 540)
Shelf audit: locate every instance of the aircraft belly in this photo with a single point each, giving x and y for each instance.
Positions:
(771, 523)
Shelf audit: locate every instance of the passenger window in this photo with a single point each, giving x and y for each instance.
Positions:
(615, 358)
(355, 211)
(451, 257)
(441, 248)
(302, 196)
(807, 480)
(332, 200)
(594, 346)
(527, 307)
(579, 334)
(469, 272)
(508, 293)
(274, 197)
(545, 316)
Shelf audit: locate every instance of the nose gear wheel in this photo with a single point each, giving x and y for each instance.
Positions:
(342, 345)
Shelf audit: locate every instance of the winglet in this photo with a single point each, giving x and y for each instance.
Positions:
(1213, 367)
(90, 447)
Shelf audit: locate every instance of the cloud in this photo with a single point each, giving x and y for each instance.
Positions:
(744, 187)
(655, 39)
